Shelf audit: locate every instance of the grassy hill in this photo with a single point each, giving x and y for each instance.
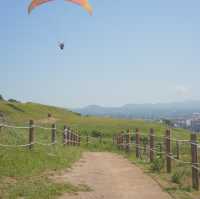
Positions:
(25, 173)
(21, 113)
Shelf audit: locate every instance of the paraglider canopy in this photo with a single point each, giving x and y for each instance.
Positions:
(83, 3)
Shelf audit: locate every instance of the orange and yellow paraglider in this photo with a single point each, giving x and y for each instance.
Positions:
(84, 3)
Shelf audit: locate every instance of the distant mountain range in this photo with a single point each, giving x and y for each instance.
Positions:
(144, 111)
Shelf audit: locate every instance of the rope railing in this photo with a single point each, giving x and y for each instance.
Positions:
(156, 136)
(14, 127)
(165, 147)
(144, 144)
(44, 128)
(69, 137)
(178, 160)
(46, 144)
(16, 146)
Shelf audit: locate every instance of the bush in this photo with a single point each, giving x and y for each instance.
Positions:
(144, 140)
(13, 101)
(178, 176)
(96, 134)
(1, 97)
(78, 114)
(168, 122)
(157, 165)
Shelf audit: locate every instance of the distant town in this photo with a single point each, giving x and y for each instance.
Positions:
(188, 122)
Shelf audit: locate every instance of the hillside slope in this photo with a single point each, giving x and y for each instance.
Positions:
(21, 113)
(25, 173)
(148, 111)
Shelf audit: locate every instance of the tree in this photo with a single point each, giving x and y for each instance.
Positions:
(168, 122)
(96, 133)
(1, 97)
(13, 101)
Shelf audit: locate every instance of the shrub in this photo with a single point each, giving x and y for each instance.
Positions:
(157, 165)
(13, 101)
(144, 140)
(96, 133)
(1, 97)
(187, 188)
(78, 114)
(178, 176)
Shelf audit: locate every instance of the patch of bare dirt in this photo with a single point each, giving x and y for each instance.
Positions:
(50, 120)
(110, 176)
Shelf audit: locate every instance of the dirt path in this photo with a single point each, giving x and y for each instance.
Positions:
(111, 177)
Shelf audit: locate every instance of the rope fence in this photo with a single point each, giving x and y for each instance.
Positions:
(149, 145)
(69, 136)
(167, 146)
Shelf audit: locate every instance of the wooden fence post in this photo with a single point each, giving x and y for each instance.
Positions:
(67, 136)
(64, 135)
(87, 139)
(53, 134)
(177, 150)
(70, 136)
(113, 139)
(168, 151)
(152, 147)
(117, 140)
(126, 142)
(123, 141)
(77, 135)
(161, 150)
(195, 173)
(129, 141)
(79, 140)
(31, 134)
(73, 138)
(138, 154)
(100, 139)
(120, 140)
(76, 139)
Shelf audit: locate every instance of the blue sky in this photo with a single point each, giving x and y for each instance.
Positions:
(127, 52)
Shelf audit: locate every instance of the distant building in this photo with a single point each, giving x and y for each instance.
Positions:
(196, 115)
(188, 123)
(195, 125)
(180, 123)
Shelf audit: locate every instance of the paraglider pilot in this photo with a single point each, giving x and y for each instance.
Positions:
(61, 45)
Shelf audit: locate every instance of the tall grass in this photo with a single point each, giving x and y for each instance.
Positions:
(24, 173)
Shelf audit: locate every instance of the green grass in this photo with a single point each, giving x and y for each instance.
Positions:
(178, 184)
(21, 113)
(36, 187)
(23, 162)
(25, 173)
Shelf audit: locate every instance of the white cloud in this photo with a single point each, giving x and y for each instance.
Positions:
(182, 91)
